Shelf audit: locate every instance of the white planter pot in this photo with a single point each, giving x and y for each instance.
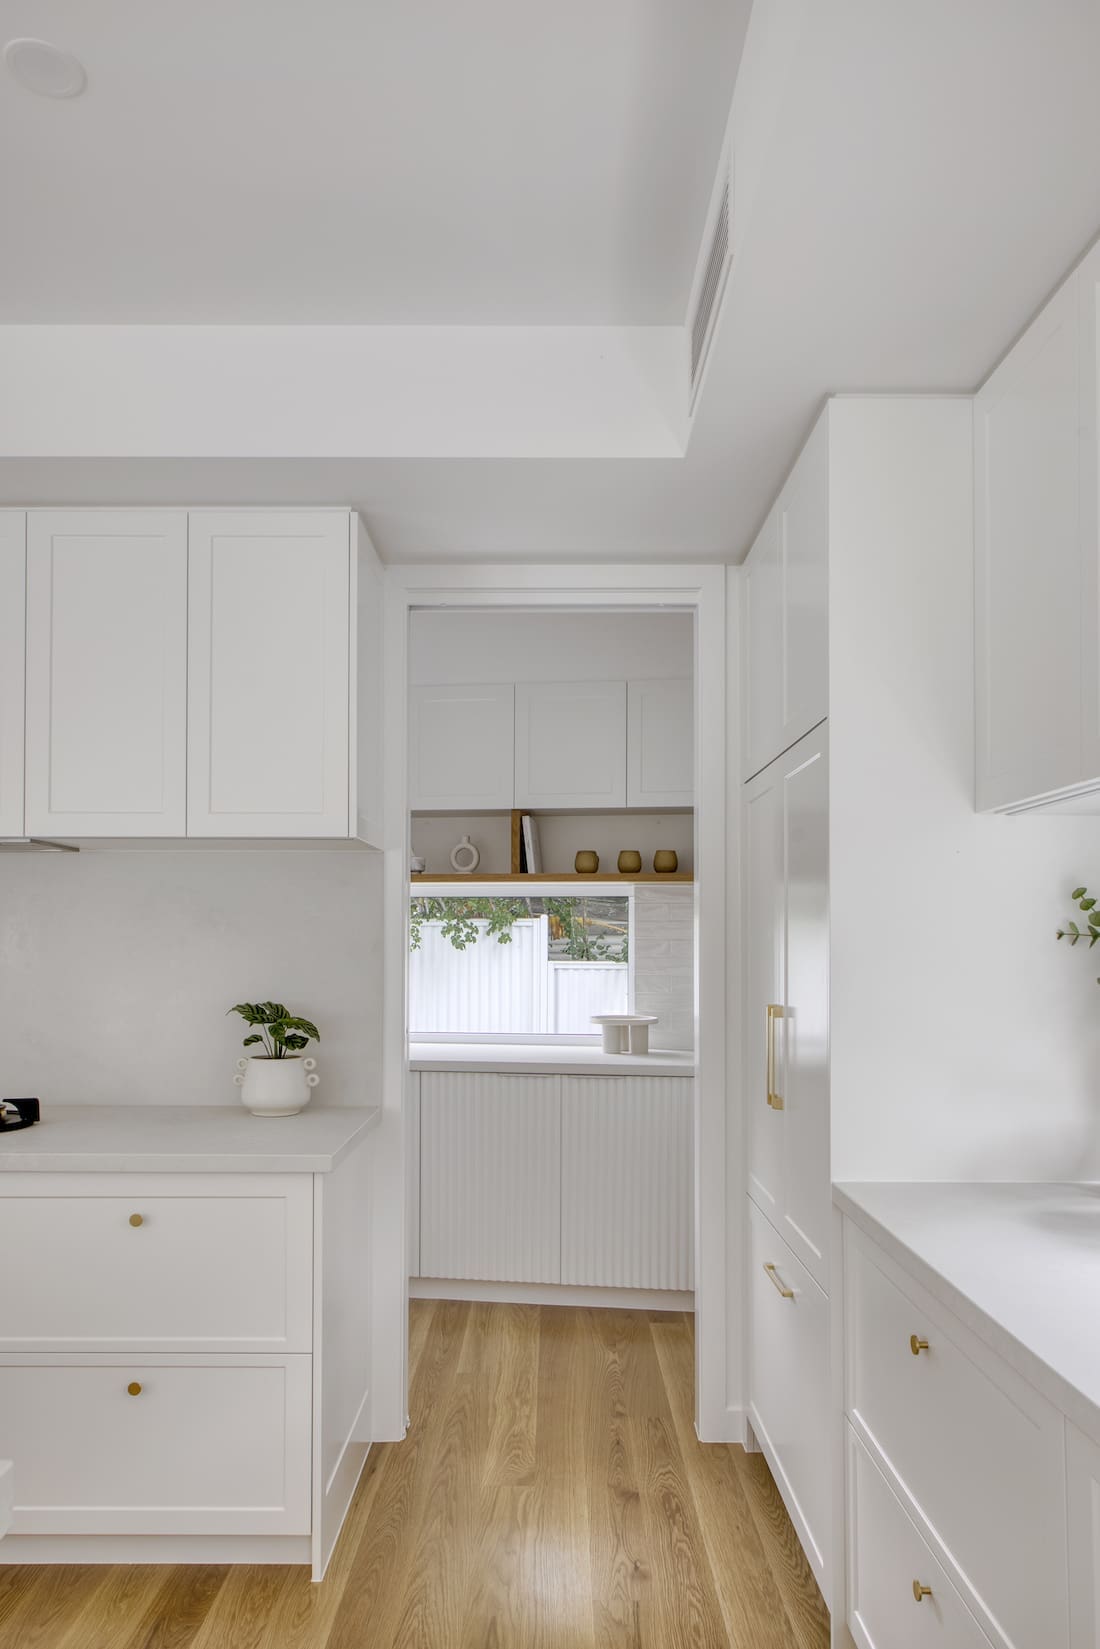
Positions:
(276, 1087)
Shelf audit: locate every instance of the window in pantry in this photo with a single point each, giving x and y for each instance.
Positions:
(517, 968)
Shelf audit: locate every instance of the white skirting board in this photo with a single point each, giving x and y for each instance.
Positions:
(122, 1548)
(621, 1299)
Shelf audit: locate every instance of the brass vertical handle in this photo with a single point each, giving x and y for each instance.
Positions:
(776, 1280)
(775, 1011)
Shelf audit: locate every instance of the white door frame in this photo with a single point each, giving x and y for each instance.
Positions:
(702, 590)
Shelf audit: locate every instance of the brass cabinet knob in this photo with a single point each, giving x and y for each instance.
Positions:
(921, 1592)
(134, 1388)
(137, 1219)
(917, 1346)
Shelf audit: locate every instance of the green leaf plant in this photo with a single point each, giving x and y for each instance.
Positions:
(281, 1033)
(1091, 931)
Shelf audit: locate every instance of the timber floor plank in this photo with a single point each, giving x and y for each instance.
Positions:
(551, 1494)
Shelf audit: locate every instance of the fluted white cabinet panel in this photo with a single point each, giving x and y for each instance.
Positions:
(490, 1176)
(626, 1182)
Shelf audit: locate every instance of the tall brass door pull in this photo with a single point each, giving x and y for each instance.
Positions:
(775, 1011)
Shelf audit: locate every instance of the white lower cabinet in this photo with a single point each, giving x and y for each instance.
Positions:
(1083, 1500)
(956, 1463)
(899, 1596)
(490, 1176)
(626, 1182)
(155, 1445)
(788, 1385)
(184, 1355)
(546, 1179)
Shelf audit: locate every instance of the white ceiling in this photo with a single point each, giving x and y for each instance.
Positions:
(395, 161)
(933, 171)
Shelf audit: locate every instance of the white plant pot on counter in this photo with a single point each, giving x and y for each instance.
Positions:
(276, 1087)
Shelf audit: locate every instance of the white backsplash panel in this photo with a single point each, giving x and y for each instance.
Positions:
(117, 967)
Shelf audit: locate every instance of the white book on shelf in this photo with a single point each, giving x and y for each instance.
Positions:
(531, 847)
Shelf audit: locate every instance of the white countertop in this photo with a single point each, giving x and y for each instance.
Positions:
(1020, 1264)
(183, 1139)
(546, 1058)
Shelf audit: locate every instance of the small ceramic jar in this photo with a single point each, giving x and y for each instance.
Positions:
(586, 863)
(630, 861)
(666, 860)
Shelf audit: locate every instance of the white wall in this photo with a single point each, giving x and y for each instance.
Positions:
(454, 646)
(966, 1043)
(117, 967)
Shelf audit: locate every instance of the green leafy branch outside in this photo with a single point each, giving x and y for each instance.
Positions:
(281, 1032)
(460, 922)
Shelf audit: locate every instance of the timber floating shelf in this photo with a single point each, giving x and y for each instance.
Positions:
(549, 876)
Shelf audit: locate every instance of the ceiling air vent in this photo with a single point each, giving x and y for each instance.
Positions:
(711, 287)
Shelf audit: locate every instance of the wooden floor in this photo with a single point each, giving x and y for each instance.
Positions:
(551, 1494)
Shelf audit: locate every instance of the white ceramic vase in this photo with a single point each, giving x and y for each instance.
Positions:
(276, 1087)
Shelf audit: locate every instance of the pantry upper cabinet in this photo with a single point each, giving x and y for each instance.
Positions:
(268, 674)
(571, 744)
(786, 620)
(106, 673)
(461, 747)
(13, 598)
(1037, 559)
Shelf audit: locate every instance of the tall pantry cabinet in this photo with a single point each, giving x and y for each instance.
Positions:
(785, 938)
(856, 661)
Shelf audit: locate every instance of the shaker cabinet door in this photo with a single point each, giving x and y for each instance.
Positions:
(571, 744)
(13, 613)
(268, 674)
(460, 747)
(106, 672)
(660, 743)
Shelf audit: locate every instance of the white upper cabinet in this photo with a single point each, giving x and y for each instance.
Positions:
(1037, 554)
(13, 612)
(106, 673)
(269, 674)
(660, 743)
(461, 747)
(571, 744)
(786, 611)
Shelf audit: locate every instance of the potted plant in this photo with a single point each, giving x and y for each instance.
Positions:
(277, 1082)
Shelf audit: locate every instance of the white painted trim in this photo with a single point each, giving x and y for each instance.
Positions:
(737, 1430)
(622, 1299)
(152, 1548)
(702, 591)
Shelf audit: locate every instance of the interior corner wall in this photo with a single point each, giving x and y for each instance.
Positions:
(965, 1041)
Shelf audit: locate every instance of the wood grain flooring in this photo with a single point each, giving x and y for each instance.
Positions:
(551, 1494)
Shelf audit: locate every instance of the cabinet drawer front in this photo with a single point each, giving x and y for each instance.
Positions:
(199, 1449)
(886, 1559)
(133, 1268)
(789, 1382)
(974, 1449)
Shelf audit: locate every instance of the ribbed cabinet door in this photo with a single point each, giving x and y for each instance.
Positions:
(490, 1177)
(626, 1182)
(13, 614)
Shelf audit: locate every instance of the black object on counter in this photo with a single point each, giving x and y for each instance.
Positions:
(18, 1113)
